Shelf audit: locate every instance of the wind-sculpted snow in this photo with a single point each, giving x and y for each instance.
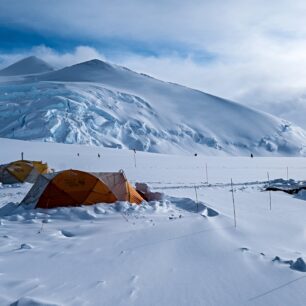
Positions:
(181, 250)
(101, 104)
(88, 114)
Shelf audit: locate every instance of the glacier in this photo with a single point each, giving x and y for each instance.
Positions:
(97, 103)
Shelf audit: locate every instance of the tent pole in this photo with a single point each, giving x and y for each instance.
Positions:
(270, 200)
(196, 194)
(234, 207)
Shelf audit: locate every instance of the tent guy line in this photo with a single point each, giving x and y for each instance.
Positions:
(276, 288)
(210, 185)
(178, 237)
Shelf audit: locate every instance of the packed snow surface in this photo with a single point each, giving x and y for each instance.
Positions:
(181, 250)
(102, 104)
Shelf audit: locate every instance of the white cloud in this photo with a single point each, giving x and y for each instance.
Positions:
(259, 45)
(53, 57)
(59, 60)
(212, 24)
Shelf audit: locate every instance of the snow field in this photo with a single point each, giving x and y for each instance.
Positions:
(96, 103)
(165, 253)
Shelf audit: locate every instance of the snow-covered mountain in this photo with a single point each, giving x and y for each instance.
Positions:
(102, 104)
(28, 65)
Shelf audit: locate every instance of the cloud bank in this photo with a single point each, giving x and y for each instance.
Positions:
(253, 52)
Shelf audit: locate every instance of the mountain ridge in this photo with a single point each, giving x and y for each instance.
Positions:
(26, 66)
(98, 103)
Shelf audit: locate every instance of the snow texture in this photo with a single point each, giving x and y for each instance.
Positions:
(100, 104)
(174, 251)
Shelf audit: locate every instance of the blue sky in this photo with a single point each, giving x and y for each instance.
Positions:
(18, 37)
(250, 51)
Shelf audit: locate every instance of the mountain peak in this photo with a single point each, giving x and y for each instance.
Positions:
(94, 70)
(31, 57)
(94, 63)
(28, 65)
(95, 102)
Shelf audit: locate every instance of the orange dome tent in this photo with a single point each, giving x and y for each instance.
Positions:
(21, 171)
(74, 188)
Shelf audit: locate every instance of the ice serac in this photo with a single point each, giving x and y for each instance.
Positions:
(29, 65)
(103, 104)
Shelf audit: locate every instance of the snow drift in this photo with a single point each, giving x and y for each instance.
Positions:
(185, 246)
(98, 103)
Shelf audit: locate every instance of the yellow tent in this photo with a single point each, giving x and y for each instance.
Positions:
(74, 188)
(21, 171)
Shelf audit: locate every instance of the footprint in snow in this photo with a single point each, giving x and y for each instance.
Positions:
(133, 292)
(243, 249)
(67, 234)
(172, 217)
(25, 246)
(101, 282)
(134, 278)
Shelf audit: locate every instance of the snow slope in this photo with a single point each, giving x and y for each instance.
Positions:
(102, 104)
(161, 253)
(28, 65)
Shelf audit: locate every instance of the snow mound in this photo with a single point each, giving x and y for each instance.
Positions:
(298, 265)
(290, 186)
(29, 65)
(301, 195)
(115, 255)
(14, 212)
(27, 301)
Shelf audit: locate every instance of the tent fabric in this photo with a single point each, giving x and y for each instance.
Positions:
(74, 188)
(120, 186)
(21, 171)
(37, 189)
(133, 194)
(6, 177)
